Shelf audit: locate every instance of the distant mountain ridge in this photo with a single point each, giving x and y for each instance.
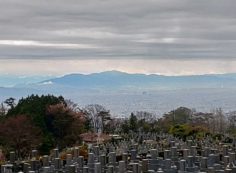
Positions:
(124, 93)
(8, 80)
(121, 80)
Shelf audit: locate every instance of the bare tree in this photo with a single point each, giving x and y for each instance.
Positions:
(98, 116)
(3, 110)
(232, 120)
(218, 123)
(147, 116)
(73, 106)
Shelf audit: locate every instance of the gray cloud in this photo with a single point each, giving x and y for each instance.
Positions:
(111, 29)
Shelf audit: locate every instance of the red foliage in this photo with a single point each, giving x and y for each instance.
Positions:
(19, 133)
(65, 124)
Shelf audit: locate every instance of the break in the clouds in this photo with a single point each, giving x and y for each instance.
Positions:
(151, 31)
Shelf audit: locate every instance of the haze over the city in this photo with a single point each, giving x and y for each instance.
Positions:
(42, 41)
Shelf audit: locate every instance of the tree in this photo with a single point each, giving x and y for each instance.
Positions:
(232, 122)
(3, 110)
(140, 122)
(178, 116)
(185, 130)
(10, 102)
(181, 131)
(65, 124)
(146, 122)
(232, 119)
(133, 123)
(98, 117)
(73, 106)
(20, 134)
(218, 122)
(112, 126)
(221, 120)
(35, 108)
(147, 116)
(125, 126)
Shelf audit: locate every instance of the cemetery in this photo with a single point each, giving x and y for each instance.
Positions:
(112, 86)
(165, 154)
(59, 139)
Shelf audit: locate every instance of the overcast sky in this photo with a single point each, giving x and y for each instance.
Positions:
(171, 37)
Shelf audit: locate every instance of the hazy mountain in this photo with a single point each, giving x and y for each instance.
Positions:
(16, 92)
(8, 80)
(119, 80)
(123, 93)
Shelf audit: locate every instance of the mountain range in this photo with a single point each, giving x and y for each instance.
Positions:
(111, 80)
(124, 92)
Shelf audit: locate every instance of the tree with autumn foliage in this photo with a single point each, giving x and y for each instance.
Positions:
(64, 124)
(60, 123)
(18, 133)
(35, 107)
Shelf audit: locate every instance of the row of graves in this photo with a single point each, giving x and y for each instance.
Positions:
(164, 154)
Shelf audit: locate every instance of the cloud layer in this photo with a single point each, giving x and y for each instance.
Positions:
(176, 30)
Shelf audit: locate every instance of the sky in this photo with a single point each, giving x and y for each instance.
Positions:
(169, 37)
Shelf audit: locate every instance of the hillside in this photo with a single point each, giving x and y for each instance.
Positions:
(123, 93)
(121, 80)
